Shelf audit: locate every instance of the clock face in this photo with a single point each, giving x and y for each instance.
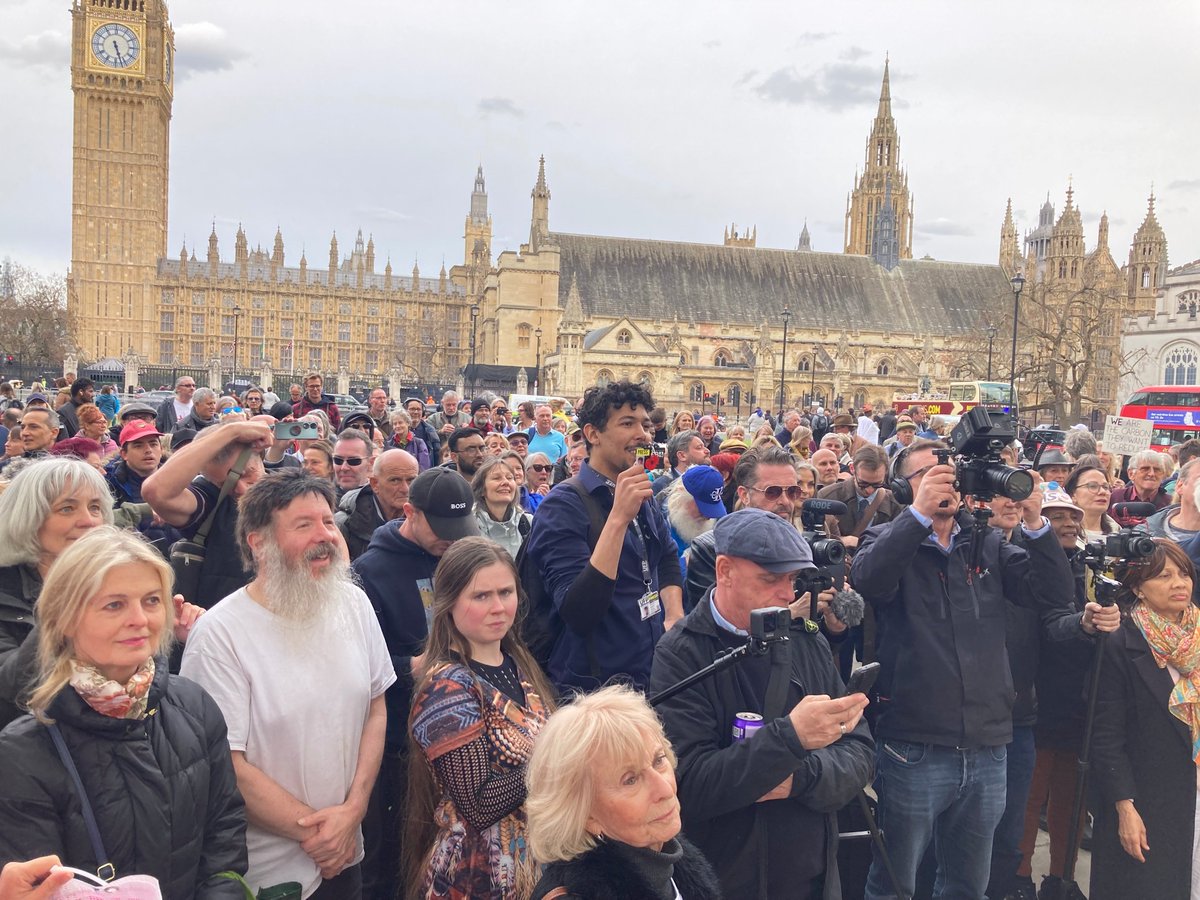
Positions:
(116, 45)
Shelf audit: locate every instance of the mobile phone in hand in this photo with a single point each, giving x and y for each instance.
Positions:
(862, 679)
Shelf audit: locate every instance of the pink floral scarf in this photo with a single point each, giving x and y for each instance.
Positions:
(107, 697)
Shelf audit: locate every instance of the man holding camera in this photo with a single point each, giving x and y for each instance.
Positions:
(762, 807)
(945, 689)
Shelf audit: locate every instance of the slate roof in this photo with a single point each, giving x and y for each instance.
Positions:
(647, 279)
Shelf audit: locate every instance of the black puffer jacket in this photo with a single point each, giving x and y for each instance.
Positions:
(162, 788)
(19, 589)
(616, 871)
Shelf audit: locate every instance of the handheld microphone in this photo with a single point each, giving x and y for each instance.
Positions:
(825, 507)
(1135, 509)
(848, 605)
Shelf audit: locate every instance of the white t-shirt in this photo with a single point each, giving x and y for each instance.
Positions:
(182, 410)
(296, 709)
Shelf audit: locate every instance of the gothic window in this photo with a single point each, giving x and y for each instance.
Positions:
(258, 302)
(806, 364)
(1145, 276)
(314, 306)
(1180, 366)
(228, 325)
(624, 337)
(228, 302)
(257, 326)
(196, 351)
(166, 321)
(604, 377)
(401, 335)
(373, 310)
(343, 331)
(1062, 268)
(343, 359)
(287, 304)
(372, 334)
(1074, 268)
(314, 357)
(696, 392)
(860, 398)
(646, 379)
(287, 328)
(883, 368)
(197, 323)
(523, 332)
(722, 359)
(166, 349)
(372, 360)
(314, 330)
(455, 314)
(343, 309)
(168, 297)
(198, 298)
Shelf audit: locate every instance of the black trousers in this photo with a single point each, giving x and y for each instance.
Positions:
(347, 886)
(382, 830)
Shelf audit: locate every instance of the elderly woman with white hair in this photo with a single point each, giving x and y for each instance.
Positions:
(603, 816)
(149, 747)
(1147, 471)
(50, 504)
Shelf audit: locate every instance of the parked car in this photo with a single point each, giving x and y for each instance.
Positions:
(1045, 436)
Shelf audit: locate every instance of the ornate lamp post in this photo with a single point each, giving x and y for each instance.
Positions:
(787, 314)
(1018, 284)
(474, 317)
(537, 363)
(812, 394)
(237, 320)
(991, 333)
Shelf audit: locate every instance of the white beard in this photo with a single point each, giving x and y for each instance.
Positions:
(685, 518)
(310, 605)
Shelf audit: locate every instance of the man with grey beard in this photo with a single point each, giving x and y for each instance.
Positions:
(298, 665)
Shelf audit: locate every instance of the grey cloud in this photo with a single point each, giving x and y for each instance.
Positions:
(51, 49)
(1185, 184)
(204, 47)
(836, 86)
(944, 227)
(499, 105)
(812, 37)
(852, 54)
(746, 77)
(382, 214)
(711, 45)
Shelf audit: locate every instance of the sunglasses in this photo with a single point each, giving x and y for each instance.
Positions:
(538, 467)
(774, 492)
(353, 461)
(868, 485)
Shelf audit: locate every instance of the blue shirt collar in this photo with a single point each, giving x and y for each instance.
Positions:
(721, 621)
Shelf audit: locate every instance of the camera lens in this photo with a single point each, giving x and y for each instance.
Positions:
(1015, 484)
(1139, 546)
(295, 431)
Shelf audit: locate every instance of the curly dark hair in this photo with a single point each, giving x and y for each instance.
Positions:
(599, 402)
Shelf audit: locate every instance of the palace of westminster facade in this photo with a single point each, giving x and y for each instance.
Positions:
(689, 319)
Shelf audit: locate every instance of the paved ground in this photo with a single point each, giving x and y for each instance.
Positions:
(1041, 863)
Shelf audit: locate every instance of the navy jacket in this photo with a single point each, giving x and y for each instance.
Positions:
(602, 616)
(945, 675)
(394, 571)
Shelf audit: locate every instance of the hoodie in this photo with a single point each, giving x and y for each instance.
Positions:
(509, 534)
(397, 576)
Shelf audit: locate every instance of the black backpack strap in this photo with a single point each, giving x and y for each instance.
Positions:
(231, 480)
(596, 519)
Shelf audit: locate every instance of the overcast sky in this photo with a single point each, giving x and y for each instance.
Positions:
(666, 120)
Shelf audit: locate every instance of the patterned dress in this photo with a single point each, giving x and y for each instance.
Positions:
(477, 741)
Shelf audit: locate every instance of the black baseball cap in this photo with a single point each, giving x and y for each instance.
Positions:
(445, 499)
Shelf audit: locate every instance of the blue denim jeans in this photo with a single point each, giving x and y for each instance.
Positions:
(1006, 846)
(952, 797)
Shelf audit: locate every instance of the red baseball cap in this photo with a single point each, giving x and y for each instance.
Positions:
(137, 429)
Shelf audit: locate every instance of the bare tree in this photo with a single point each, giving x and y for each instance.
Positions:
(37, 326)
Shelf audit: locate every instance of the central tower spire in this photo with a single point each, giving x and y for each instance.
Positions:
(882, 167)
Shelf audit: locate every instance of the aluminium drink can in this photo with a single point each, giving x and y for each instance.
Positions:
(745, 724)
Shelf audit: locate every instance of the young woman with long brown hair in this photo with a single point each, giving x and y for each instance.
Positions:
(479, 703)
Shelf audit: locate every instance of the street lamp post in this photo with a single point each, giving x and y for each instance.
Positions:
(812, 394)
(787, 314)
(1018, 283)
(537, 361)
(991, 333)
(474, 317)
(237, 319)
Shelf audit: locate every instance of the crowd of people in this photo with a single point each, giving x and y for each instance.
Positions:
(260, 643)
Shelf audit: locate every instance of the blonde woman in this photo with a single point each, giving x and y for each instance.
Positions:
(801, 444)
(602, 808)
(150, 747)
(480, 701)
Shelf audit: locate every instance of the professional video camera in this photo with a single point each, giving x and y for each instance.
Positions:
(829, 557)
(1127, 545)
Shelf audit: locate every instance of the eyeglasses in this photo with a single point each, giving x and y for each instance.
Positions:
(539, 467)
(869, 485)
(469, 448)
(352, 461)
(775, 491)
(1096, 487)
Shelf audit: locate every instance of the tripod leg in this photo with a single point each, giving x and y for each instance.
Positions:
(877, 838)
(1084, 762)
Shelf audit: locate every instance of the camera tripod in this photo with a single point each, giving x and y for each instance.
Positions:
(759, 644)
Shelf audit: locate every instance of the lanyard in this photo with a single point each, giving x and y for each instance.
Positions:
(639, 539)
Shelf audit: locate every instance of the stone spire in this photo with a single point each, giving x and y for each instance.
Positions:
(1102, 236)
(885, 246)
(371, 254)
(479, 213)
(241, 252)
(1010, 254)
(805, 239)
(573, 310)
(539, 225)
(882, 165)
(1147, 262)
(277, 253)
(333, 258)
(387, 275)
(214, 257)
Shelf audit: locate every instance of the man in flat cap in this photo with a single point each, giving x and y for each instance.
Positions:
(762, 808)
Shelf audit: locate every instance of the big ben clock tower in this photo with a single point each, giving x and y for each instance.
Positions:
(122, 71)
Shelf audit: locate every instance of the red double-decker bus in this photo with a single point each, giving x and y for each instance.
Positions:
(1174, 410)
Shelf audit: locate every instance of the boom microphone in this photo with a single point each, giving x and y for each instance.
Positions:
(825, 507)
(848, 605)
(1135, 509)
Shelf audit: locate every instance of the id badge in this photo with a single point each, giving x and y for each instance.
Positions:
(649, 605)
